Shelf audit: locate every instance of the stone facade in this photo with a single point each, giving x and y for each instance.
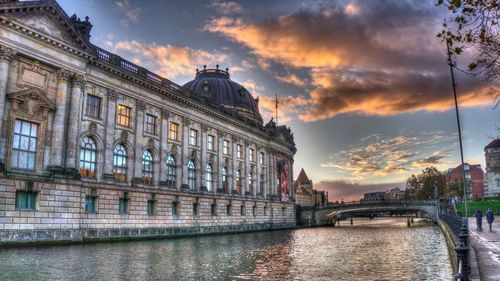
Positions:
(492, 156)
(83, 128)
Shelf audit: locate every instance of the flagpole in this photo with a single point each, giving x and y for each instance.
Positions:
(276, 102)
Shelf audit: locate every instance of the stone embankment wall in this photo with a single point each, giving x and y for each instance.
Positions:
(60, 215)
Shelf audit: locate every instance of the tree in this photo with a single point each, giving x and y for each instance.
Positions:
(474, 24)
(422, 186)
(455, 188)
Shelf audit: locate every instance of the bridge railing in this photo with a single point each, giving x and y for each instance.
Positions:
(380, 202)
(459, 229)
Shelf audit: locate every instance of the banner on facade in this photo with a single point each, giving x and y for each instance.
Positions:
(283, 169)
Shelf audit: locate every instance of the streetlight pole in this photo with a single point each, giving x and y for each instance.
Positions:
(458, 124)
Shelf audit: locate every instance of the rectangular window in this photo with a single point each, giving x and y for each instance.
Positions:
(196, 206)
(90, 204)
(193, 137)
(175, 212)
(25, 200)
(173, 131)
(283, 209)
(151, 207)
(254, 211)
(93, 106)
(239, 149)
(24, 145)
(251, 154)
(228, 210)
(213, 209)
(225, 147)
(261, 158)
(150, 124)
(123, 206)
(242, 210)
(265, 211)
(211, 143)
(124, 114)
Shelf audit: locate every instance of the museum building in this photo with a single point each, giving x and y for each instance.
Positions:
(93, 146)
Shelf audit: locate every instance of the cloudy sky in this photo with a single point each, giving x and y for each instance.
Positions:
(364, 85)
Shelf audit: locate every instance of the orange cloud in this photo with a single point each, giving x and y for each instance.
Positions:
(394, 64)
(288, 107)
(170, 61)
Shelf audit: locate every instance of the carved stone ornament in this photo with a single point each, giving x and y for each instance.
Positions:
(31, 103)
(234, 139)
(63, 75)
(7, 54)
(194, 154)
(93, 128)
(204, 128)
(78, 80)
(151, 143)
(165, 114)
(112, 95)
(174, 147)
(124, 136)
(141, 105)
(212, 157)
(186, 122)
(33, 74)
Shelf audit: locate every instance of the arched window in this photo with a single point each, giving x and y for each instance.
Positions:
(209, 177)
(224, 179)
(120, 163)
(87, 157)
(171, 175)
(191, 175)
(147, 167)
(238, 181)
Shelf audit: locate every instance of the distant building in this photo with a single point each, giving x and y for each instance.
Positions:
(305, 194)
(492, 155)
(473, 178)
(394, 194)
(374, 196)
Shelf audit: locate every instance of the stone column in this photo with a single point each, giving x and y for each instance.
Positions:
(247, 166)
(78, 82)
(110, 134)
(138, 145)
(59, 124)
(6, 56)
(163, 145)
(290, 178)
(258, 171)
(220, 160)
(204, 162)
(185, 152)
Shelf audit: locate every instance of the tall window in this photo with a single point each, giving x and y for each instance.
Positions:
(250, 182)
(93, 106)
(150, 124)
(209, 177)
(124, 114)
(261, 185)
(147, 167)
(193, 137)
(171, 171)
(120, 163)
(251, 154)
(24, 145)
(239, 149)
(224, 178)
(173, 131)
(87, 157)
(191, 175)
(238, 181)
(225, 147)
(261, 158)
(211, 142)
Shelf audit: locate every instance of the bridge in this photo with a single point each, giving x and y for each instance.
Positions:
(332, 213)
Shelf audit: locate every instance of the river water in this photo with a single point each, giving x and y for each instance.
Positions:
(381, 249)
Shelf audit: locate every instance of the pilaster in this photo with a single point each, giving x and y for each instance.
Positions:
(110, 133)
(59, 124)
(6, 56)
(78, 82)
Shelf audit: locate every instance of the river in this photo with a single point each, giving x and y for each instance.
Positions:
(381, 249)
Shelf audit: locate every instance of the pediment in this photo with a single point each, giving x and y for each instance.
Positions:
(48, 18)
(31, 97)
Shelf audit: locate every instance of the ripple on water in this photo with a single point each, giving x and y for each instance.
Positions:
(374, 250)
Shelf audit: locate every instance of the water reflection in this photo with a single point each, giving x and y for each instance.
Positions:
(381, 250)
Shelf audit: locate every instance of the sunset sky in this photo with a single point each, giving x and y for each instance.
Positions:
(364, 85)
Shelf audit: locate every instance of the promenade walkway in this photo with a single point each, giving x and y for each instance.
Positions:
(487, 247)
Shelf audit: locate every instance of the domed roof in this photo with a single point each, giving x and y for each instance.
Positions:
(213, 86)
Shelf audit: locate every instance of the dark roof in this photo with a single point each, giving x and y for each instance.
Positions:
(302, 178)
(213, 86)
(493, 144)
